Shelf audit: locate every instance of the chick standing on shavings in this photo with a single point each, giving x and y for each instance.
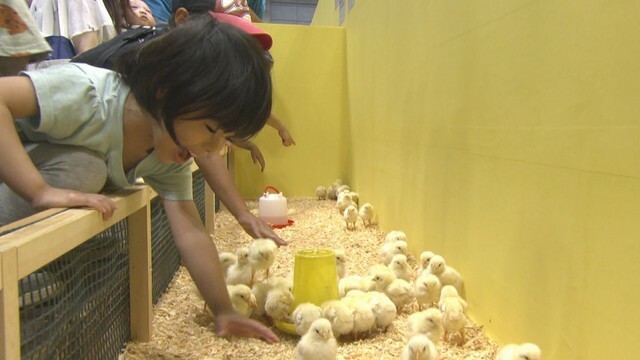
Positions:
(226, 260)
(241, 271)
(262, 254)
(321, 192)
(526, 351)
(419, 347)
(340, 315)
(427, 289)
(447, 274)
(304, 315)
(363, 318)
(395, 235)
(318, 343)
(261, 290)
(425, 259)
(242, 299)
(454, 318)
(400, 266)
(367, 214)
(344, 201)
(387, 250)
(278, 304)
(350, 216)
(401, 293)
(427, 322)
(381, 276)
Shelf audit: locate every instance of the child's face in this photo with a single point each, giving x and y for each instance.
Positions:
(196, 138)
(139, 14)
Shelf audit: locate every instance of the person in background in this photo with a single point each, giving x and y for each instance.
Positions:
(72, 26)
(258, 10)
(20, 39)
(172, 99)
(161, 10)
(138, 14)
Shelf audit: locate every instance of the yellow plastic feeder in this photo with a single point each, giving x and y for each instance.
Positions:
(315, 280)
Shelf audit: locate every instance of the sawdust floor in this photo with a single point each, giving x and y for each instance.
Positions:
(182, 330)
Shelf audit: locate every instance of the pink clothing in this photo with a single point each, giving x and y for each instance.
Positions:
(234, 7)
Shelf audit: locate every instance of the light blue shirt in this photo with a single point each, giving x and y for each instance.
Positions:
(83, 105)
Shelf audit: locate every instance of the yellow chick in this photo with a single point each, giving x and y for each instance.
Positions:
(355, 198)
(340, 315)
(425, 259)
(332, 192)
(419, 347)
(318, 343)
(401, 293)
(367, 214)
(226, 260)
(382, 276)
(262, 254)
(389, 249)
(261, 289)
(303, 315)
(354, 282)
(427, 290)
(350, 216)
(278, 304)
(241, 271)
(526, 351)
(395, 235)
(384, 310)
(344, 200)
(427, 322)
(447, 274)
(363, 318)
(341, 259)
(400, 266)
(453, 317)
(447, 291)
(321, 192)
(242, 300)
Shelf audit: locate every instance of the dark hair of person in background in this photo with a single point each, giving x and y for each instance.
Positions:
(116, 9)
(172, 76)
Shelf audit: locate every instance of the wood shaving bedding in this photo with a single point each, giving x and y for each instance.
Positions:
(184, 330)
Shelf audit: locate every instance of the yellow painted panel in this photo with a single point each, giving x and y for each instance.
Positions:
(310, 98)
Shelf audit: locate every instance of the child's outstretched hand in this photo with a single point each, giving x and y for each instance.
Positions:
(287, 139)
(56, 198)
(234, 324)
(258, 228)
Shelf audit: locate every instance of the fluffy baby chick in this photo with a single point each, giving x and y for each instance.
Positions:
(321, 192)
(384, 310)
(367, 214)
(241, 271)
(318, 343)
(262, 254)
(261, 289)
(355, 198)
(382, 276)
(427, 322)
(242, 300)
(354, 282)
(303, 315)
(447, 291)
(387, 250)
(401, 293)
(419, 347)
(447, 274)
(278, 304)
(350, 216)
(400, 266)
(395, 235)
(526, 351)
(344, 201)
(226, 260)
(340, 315)
(363, 318)
(453, 317)
(427, 290)
(341, 259)
(425, 259)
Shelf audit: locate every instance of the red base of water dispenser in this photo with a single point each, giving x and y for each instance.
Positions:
(289, 223)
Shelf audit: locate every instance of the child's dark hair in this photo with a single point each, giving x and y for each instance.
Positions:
(205, 69)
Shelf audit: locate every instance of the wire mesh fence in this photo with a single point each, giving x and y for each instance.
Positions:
(77, 306)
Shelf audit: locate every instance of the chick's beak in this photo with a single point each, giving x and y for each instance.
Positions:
(253, 303)
(325, 335)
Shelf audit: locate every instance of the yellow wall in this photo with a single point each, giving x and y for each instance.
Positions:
(310, 98)
(505, 135)
(501, 134)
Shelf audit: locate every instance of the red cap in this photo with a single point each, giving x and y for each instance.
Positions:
(263, 38)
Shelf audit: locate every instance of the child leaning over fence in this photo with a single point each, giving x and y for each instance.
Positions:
(178, 96)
